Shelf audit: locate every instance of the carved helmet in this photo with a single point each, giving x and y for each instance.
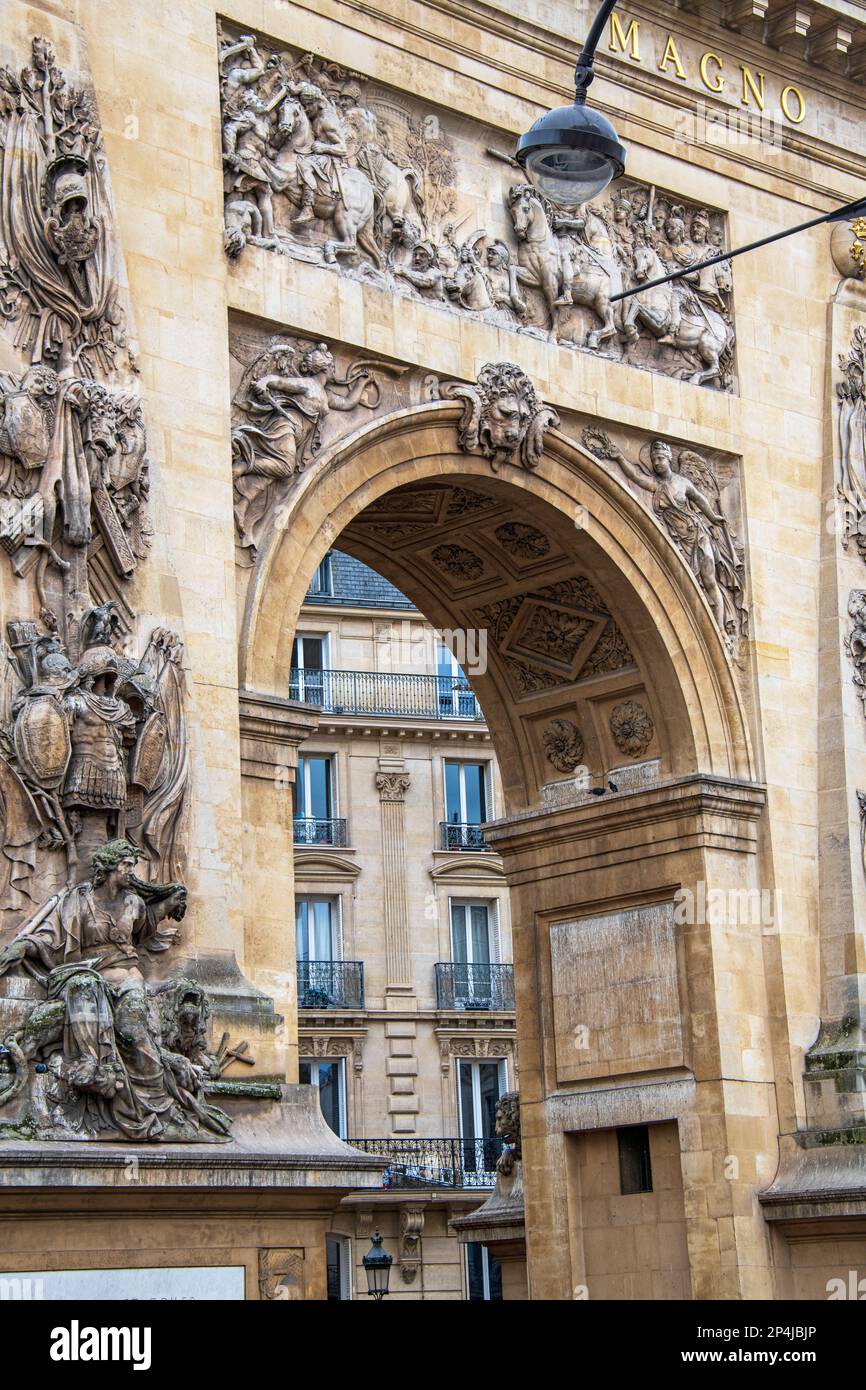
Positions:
(66, 182)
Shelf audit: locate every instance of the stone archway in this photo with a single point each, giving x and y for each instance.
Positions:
(580, 618)
(616, 546)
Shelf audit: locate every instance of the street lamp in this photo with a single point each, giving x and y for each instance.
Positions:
(571, 154)
(377, 1263)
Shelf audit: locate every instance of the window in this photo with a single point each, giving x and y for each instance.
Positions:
(455, 693)
(484, 1274)
(339, 1266)
(479, 1086)
(635, 1168)
(323, 580)
(314, 788)
(466, 805)
(309, 661)
(330, 1079)
(473, 949)
(465, 793)
(317, 929)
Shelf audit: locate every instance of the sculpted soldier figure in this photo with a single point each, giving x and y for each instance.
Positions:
(425, 272)
(714, 283)
(111, 1076)
(320, 168)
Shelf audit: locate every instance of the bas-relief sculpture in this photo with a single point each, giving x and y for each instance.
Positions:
(685, 495)
(851, 476)
(94, 750)
(292, 400)
(325, 166)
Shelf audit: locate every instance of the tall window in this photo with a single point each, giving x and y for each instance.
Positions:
(338, 1254)
(317, 929)
(472, 932)
(309, 661)
(455, 693)
(466, 804)
(484, 1274)
(330, 1079)
(473, 948)
(479, 1086)
(314, 787)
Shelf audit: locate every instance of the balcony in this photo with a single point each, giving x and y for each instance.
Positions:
(460, 985)
(424, 1163)
(330, 984)
(460, 835)
(310, 830)
(383, 693)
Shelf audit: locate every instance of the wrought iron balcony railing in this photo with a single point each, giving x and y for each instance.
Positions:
(460, 835)
(311, 830)
(330, 984)
(385, 693)
(461, 985)
(417, 1163)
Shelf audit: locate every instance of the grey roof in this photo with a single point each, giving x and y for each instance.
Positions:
(356, 585)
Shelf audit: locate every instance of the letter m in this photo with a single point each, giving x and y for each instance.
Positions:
(620, 41)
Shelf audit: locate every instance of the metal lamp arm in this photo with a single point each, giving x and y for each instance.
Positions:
(584, 71)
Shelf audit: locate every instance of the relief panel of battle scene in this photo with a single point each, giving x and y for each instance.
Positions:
(97, 1039)
(323, 165)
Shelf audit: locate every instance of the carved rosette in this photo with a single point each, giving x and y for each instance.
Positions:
(631, 728)
(563, 745)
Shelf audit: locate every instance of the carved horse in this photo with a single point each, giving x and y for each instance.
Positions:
(351, 208)
(539, 260)
(400, 189)
(701, 330)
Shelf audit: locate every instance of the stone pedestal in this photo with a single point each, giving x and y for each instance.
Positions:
(261, 1203)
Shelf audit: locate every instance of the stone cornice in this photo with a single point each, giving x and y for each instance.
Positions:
(698, 810)
(272, 729)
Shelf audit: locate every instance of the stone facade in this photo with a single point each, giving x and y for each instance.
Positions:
(269, 283)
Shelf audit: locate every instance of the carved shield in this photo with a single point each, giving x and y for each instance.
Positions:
(42, 743)
(27, 430)
(149, 753)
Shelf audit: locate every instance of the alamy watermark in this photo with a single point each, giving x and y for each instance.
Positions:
(728, 907)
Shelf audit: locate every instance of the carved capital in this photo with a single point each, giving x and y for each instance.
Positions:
(392, 786)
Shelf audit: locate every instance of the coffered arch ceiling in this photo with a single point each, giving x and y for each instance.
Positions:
(598, 638)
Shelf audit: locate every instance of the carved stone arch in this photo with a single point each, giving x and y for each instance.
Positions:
(648, 593)
(469, 869)
(321, 866)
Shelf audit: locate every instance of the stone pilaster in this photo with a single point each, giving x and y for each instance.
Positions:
(392, 785)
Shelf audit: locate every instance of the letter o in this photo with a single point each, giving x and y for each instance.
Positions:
(783, 102)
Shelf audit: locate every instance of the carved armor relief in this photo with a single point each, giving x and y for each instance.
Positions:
(325, 166)
(95, 1042)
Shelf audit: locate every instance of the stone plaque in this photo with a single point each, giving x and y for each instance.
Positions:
(176, 1284)
(616, 1004)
